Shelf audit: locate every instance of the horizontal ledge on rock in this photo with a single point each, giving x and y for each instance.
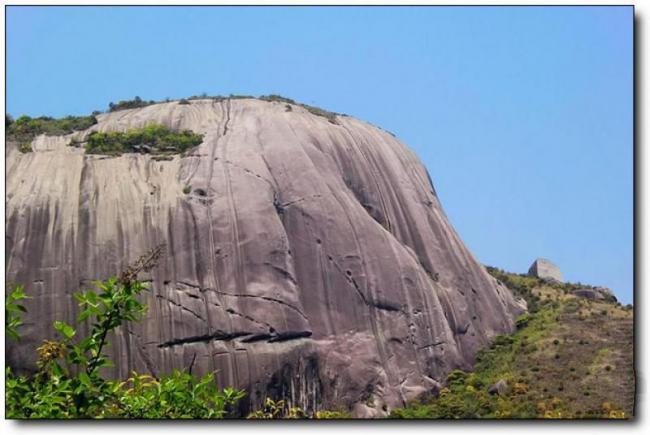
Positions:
(228, 336)
(206, 338)
(290, 335)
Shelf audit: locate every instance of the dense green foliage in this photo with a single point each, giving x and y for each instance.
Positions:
(69, 384)
(538, 362)
(278, 410)
(179, 395)
(129, 104)
(25, 129)
(521, 286)
(154, 138)
(275, 410)
(277, 98)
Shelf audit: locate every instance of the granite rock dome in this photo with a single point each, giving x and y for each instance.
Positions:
(310, 259)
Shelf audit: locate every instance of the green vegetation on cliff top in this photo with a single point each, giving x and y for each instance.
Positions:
(155, 139)
(25, 129)
(137, 102)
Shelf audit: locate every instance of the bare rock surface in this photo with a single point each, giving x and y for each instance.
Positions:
(309, 260)
(545, 269)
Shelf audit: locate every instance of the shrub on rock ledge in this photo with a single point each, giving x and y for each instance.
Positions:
(154, 139)
(25, 128)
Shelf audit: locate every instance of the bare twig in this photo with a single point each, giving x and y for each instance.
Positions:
(145, 263)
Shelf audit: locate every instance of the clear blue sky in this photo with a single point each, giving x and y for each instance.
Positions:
(523, 116)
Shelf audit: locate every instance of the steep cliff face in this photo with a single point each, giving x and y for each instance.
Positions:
(310, 259)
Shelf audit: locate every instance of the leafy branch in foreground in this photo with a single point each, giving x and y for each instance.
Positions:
(68, 383)
(13, 311)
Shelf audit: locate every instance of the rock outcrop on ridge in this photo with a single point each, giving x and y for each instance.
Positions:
(545, 269)
(595, 293)
(310, 260)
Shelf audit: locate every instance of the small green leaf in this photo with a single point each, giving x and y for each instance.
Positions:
(80, 297)
(91, 297)
(66, 330)
(84, 315)
(85, 379)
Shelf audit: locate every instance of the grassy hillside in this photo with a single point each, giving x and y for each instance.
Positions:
(570, 357)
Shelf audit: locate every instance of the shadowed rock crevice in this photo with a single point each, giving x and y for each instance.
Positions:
(181, 306)
(289, 335)
(264, 298)
(205, 338)
(272, 337)
(387, 306)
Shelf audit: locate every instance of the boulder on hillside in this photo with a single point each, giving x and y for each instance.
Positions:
(545, 269)
(499, 387)
(595, 293)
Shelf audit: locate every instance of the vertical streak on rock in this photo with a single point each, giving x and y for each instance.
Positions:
(239, 272)
(210, 220)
